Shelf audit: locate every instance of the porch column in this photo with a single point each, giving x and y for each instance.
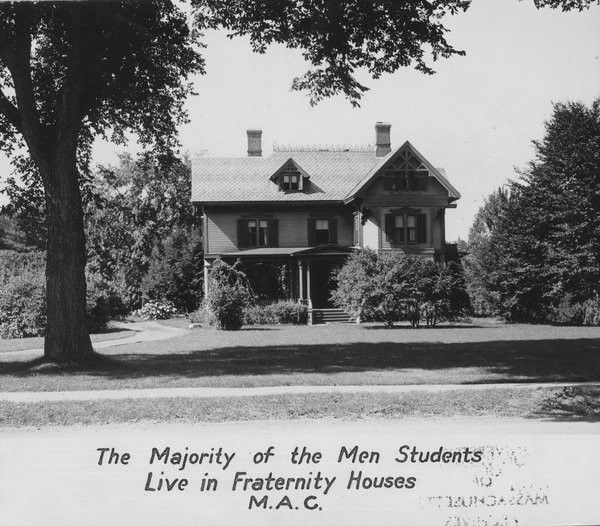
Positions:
(308, 279)
(206, 268)
(301, 279)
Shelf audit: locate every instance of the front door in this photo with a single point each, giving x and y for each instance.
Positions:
(322, 282)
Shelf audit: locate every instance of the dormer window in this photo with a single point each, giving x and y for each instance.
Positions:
(290, 182)
(290, 177)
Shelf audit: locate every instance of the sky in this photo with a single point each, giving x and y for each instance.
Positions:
(476, 117)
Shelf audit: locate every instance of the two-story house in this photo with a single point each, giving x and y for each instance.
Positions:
(294, 216)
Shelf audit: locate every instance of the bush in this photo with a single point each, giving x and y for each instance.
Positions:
(570, 312)
(23, 307)
(281, 312)
(228, 295)
(157, 310)
(392, 286)
(104, 303)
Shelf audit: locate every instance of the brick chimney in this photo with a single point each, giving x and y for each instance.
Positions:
(254, 143)
(382, 139)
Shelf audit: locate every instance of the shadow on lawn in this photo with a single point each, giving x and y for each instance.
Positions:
(527, 361)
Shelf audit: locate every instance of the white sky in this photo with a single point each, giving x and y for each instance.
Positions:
(475, 117)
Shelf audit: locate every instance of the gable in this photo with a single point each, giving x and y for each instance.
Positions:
(404, 169)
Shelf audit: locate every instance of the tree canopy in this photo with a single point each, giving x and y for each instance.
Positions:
(543, 251)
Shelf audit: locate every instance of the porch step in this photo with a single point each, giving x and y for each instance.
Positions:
(331, 316)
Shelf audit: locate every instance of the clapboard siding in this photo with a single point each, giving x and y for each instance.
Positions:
(221, 229)
(371, 233)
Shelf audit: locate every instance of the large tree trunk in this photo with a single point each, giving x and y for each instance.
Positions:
(67, 337)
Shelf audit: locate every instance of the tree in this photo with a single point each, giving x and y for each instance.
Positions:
(70, 72)
(482, 260)
(547, 239)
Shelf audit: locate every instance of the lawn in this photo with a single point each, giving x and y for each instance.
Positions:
(332, 355)
(545, 403)
(19, 344)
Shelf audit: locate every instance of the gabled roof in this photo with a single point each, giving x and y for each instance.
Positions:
(332, 175)
(375, 172)
(335, 175)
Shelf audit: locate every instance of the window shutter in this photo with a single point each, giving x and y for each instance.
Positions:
(422, 182)
(312, 227)
(273, 233)
(242, 227)
(388, 183)
(333, 237)
(421, 228)
(389, 227)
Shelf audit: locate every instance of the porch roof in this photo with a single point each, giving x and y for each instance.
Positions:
(321, 250)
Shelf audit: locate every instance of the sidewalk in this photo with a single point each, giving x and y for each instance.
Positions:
(230, 392)
(144, 331)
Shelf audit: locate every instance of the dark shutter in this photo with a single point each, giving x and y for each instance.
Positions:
(242, 232)
(312, 234)
(273, 232)
(333, 237)
(388, 183)
(421, 228)
(389, 227)
(422, 181)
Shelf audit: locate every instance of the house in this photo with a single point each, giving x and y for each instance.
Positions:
(293, 217)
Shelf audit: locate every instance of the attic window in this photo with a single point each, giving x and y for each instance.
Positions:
(290, 178)
(406, 173)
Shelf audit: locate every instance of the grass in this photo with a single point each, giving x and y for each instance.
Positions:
(505, 403)
(330, 355)
(20, 344)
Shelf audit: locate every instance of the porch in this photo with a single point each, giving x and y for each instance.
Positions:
(303, 274)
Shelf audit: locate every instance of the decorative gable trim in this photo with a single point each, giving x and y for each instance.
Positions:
(379, 169)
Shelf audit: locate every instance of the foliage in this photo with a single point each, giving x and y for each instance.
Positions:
(228, 295)
(280, 312)
(482, 260)
(174, 269)
(23, 306)
(546, 243)
(157, 310)
(391, 286)
(337, 38)
(142, 234)
(14, 264)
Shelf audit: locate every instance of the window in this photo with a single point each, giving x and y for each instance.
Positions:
(406, 227)
(322, 231)
(290, 183)
(290, 179)
(257, 232)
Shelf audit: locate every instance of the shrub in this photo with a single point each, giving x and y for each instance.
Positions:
(591, 311)
(14, 264)
(228, 295)
(23, 307)
(157, 310)
(392, 286)
(103, 303)
(281, 312)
